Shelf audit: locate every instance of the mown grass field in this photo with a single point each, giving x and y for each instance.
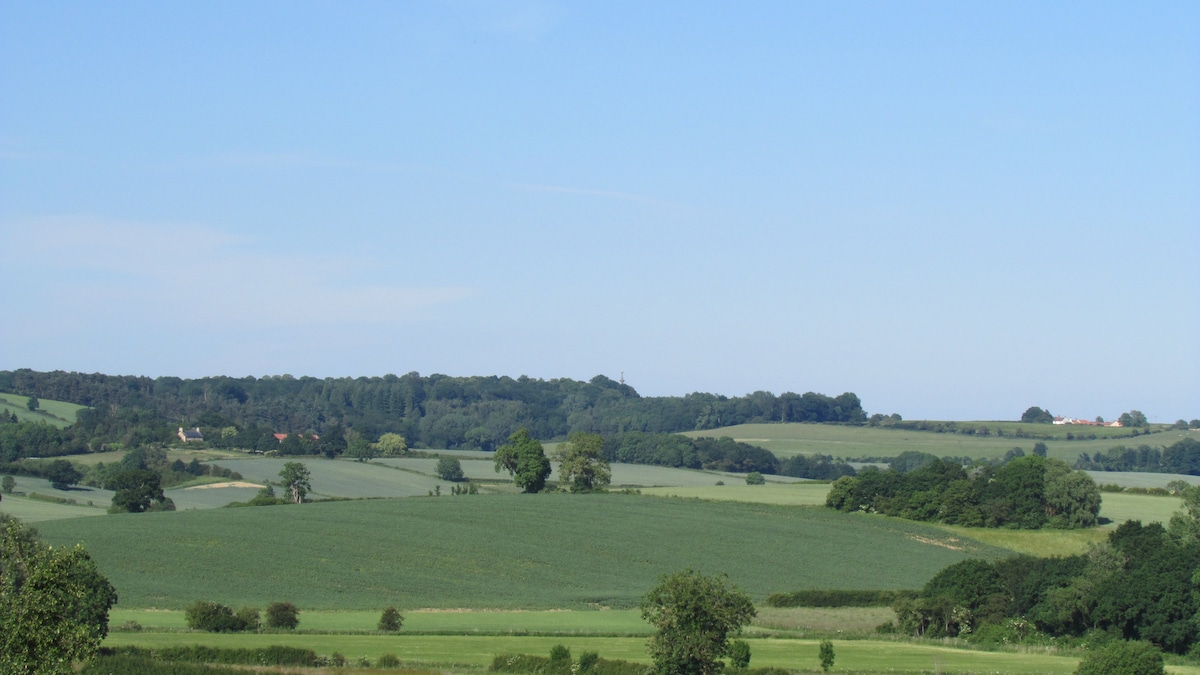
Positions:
(497, 551)
(794, 621)
(870, 656)
(786, 440)
(58, 413)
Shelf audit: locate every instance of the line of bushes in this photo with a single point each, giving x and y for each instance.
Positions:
(838, 598)
(275, 655)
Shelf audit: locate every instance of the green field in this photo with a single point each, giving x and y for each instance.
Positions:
(57, 413)
(872, 656)
(786, 440)
(797, 494)
(497, 551)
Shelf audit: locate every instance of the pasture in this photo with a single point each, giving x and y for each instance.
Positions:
(786, 440)
(57, 413)
(498, 551)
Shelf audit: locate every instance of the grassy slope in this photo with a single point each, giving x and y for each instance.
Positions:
(502, 551)
(58, 413)
(786, 440)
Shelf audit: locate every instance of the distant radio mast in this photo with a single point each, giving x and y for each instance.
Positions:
(622, 377)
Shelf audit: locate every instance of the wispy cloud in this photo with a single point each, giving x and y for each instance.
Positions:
(187, 275)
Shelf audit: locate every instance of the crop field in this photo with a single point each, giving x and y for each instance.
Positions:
(336, 478)
(791, 621)
(623, 475)
(37, 511)
(58, 413)
(498, 551)
(1140, 479)
(186, 455)
(797, 494)
(786, 440)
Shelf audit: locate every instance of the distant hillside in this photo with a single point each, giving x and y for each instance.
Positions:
(786, 440)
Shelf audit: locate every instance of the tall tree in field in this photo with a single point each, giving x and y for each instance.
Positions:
(296, 481)
(582, 463)
(693, 617)
(524, 459)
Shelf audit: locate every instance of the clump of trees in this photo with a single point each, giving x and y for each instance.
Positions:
(1036, 415)
(54, 603)
(283, 615)
(1029, 492)
(1138, 585)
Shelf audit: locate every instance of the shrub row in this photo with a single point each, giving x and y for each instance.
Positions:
(836, 598)
(274, 655)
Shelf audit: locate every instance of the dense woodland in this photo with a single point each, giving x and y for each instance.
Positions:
(435, 411)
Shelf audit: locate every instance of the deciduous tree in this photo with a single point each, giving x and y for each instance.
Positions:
(137, 490)
(524, 458)
(693, 618)
(296, 480)
(582, 465)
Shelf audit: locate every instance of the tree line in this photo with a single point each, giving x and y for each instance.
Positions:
(430, 411)
(1180, 457)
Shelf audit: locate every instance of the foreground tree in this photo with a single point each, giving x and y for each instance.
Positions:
(693, 618)
(525, 460)
(582, 463)
(826, 655)
(54, 603)
(296, 480)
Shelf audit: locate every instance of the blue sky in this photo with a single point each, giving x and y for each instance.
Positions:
(955, 210)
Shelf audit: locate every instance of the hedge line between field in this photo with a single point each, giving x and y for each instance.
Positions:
(274, 655)
(835, 598)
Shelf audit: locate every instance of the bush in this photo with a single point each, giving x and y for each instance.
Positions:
(560, 655)
(249, 617)
(388, 661)
(283, 615)
(755, 478)
(1122, 658)
(212, 617)
(739, 654)
(837, 598)
(391, 620)
(449, 468)
(588, 660)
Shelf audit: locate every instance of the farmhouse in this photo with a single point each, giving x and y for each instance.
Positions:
(1086, 423)
(190, 435)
